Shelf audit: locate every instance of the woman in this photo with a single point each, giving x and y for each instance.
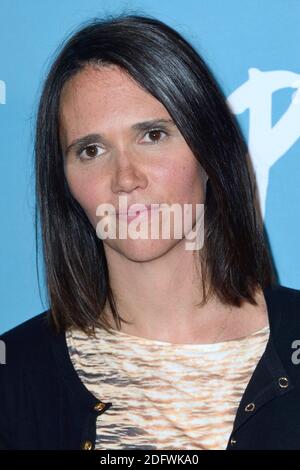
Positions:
(147, 344)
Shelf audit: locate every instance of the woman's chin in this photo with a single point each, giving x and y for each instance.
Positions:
(140, 249)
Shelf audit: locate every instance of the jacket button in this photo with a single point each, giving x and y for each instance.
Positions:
(283, 382)
(87, 445)
(99, 406)
(250, 407)
(232, 441)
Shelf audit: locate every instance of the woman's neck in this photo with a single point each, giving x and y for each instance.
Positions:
(159, 297)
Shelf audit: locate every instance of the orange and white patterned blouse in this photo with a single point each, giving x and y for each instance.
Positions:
(165, 395)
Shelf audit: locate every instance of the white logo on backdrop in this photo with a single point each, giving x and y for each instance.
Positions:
(2, 92)
(266, 143)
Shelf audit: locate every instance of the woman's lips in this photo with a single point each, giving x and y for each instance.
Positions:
(141, 214)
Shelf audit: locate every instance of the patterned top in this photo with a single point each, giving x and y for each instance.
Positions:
(165, 395)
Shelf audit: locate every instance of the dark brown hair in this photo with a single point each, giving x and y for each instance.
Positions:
(236, 259)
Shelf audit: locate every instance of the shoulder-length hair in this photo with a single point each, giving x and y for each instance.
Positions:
(236, 260)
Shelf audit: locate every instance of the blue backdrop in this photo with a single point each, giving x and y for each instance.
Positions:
(253, 48)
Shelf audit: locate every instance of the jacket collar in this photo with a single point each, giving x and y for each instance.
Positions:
(270, 378)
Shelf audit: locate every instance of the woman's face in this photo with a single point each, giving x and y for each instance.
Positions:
(125, 159)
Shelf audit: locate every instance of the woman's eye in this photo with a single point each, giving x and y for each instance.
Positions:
(91, 151)
(155, 135)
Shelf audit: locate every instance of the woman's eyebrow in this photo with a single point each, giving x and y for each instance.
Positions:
(96, 137)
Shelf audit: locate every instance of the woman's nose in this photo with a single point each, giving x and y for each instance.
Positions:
(127, 176)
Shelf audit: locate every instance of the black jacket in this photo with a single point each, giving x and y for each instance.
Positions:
(44, 404)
